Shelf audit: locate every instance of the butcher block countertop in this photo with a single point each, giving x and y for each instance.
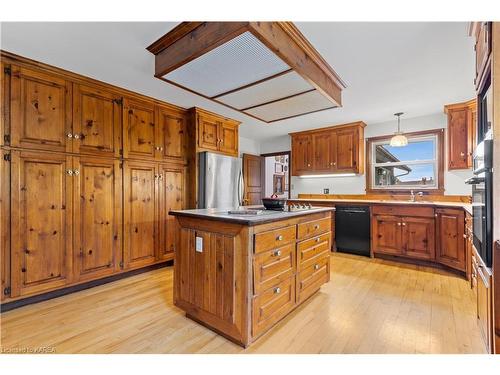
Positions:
(466, 206)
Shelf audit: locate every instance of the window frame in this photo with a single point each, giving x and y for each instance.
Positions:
(438, 188)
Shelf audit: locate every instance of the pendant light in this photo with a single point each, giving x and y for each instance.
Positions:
(399, 139)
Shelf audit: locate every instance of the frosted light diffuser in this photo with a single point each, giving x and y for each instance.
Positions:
(399, 140)
(328, 175)
(234, 64)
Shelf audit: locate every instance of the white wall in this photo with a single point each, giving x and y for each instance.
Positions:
(249, 146)
(453, 180)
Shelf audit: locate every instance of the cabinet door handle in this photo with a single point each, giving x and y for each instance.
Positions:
(318, 239)
(279, 238)
(399, 224)
(462, 154)
(69, 172)
(277, 253)
(76, 136)
(277, 290)
(404, 224)
(316, 226)
(308, 164)
(76, 172)
(316, 267)
(69, 135)
(160, 176)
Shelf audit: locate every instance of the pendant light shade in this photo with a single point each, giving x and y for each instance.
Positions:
(399, 139)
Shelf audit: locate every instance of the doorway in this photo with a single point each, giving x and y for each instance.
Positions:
(277, 174)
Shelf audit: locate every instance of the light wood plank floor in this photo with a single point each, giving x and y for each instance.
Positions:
(370, 306)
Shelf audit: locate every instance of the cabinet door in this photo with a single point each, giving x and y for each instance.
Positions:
(347, 150)
(96, 121)
(484, 306)
(4, 226)
(40, 110)
(458, 139)
(322, 148)
(450, 249)
(301, 154)
(171, 139)
(97, 217)
(139, 130)
(483, 49)
(41, 222)
(172, 182)
(419, 237)
(228, 139)
(140, 214)
(208, 132)
(386, 235)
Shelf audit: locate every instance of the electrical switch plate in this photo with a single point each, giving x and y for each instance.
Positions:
(199, 244)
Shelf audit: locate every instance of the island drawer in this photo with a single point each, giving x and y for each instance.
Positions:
(273, 266)
(272, 305)
(314, 274)
(274, 238)
(310, 248)
(313, 228)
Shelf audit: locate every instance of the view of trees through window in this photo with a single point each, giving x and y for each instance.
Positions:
(414, 165)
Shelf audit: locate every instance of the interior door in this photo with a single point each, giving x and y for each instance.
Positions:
(387, 234)
(253, 179)
(139, 129)
(171, 138)
(419, 237)
(96, 121)
(228, 140)
(140, 191)
(41, 186)
(172, 181)
(40, 110)
(97, 217)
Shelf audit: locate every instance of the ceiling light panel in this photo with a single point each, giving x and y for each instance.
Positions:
(294, 106)
(276, 88)
(234, 64)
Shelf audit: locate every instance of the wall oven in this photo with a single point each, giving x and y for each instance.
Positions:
(482, 198)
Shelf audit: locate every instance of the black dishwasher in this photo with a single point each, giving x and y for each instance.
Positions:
(352, 229)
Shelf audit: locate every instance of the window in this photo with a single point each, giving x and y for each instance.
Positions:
(417, 166)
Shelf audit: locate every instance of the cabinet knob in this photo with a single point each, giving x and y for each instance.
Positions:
(331, 163)
(316, 226)
(69, 135)
(76, 136)
(462, 154)
(399, 224)
(160, 176)
(318, 239)
(308, 164)
(316, 267)
(404, 224)
(277, 253)
(76, 172)
(279, 238)
(277, 290)
(69, 172)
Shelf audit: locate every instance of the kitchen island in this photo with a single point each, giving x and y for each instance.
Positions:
(241, 274)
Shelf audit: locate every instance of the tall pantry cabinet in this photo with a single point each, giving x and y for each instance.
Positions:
(88, 174)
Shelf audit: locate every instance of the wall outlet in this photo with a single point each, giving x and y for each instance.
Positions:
(326, 191)
(199, 244)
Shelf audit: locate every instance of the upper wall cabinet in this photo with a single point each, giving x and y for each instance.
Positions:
(461, 134)
(139, 129)
(216, 133)
(96, 121)
(172, 134)
(481, 31)
(40, 110)
(336, 149)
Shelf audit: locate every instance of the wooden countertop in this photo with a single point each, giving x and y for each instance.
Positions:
(466, 206)
(219, 214)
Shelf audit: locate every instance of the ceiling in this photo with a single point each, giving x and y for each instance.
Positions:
(414, 68)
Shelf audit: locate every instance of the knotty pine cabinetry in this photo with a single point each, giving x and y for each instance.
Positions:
(89, 172)
(462, 118)
(336, 149)
(482, 32)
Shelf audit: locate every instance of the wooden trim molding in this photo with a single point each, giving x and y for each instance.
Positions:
(440, 172)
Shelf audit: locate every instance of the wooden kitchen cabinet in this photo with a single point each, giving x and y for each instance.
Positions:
(97, 124)
(140, 202)
(216, 133)
(172, 190)
(4, 225)
(336, 149)
(139, 129)
(171, 145)
(484, 305)
(482, 32)
(97, 224)
(302, 154)
(461, 134)
(387, 235)
(40, 110)
(41, 191)
(419, 237)
(450, 244)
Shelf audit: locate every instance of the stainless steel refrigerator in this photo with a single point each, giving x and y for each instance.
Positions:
(220, 181)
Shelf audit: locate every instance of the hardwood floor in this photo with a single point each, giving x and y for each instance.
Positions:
(370, 306)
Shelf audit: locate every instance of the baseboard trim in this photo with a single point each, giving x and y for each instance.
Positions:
(8, 306)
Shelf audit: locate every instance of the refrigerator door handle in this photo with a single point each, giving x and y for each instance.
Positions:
(240, 188)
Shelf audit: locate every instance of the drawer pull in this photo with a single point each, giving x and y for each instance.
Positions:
(279, 238)
(318, 239)
(277, 253)
(316, 267)
(316, 226)
(277, 290)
